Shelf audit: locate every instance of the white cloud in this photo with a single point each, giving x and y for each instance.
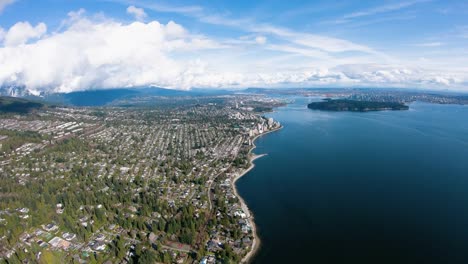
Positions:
(138, 13)
(21, 32)
(100, 53)
(300, 51)
(260, 40)
(400, 76)
(160, 7)
(2, 34)
(251, 39)
(429, 44)
(314, 41)
(318, 43)
(174, 9)
(106, 54)
(384, 9)
(4, 3)
(306, 40)
(381, 11)
(175, 30)
(76, 15)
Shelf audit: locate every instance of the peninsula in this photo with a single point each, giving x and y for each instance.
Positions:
(355, 106)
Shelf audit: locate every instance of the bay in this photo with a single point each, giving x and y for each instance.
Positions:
(377, 187)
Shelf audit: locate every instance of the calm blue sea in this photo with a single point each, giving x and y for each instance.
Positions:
(378, 187)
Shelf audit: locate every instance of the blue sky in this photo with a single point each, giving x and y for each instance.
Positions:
(64, 45)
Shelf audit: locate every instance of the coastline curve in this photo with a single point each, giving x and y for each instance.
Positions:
(256, 240)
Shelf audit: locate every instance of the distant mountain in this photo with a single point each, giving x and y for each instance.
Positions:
(104, 96)
(107, 96)
(201, 91)
(17, 91)
(156, 91)
(18, 105)
(87, 98)
(93, 97)
(257, 90)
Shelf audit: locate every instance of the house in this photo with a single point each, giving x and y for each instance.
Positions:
(38, 232)
(25, 236)
(100, 237)
(245, 228)
(212, 246)
(208, 260)
(50, 227)
(42, 243)
(240, 213)
(23, 210)
(152, 237)
(246, 241)
(57, 242)
(97, 245)
(68, 236)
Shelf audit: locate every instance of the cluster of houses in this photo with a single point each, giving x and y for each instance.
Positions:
(184, 150)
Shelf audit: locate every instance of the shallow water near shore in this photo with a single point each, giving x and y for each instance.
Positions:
(378, 187)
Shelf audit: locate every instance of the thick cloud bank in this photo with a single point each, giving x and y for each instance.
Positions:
(98, 53)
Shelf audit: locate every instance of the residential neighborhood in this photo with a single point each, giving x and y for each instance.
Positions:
(118, 185)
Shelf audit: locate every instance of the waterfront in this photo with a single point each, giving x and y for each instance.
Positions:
(383, 187)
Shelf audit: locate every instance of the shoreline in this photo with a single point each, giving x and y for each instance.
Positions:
(256, 239)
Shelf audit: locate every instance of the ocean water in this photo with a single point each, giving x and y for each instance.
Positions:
(377, 187)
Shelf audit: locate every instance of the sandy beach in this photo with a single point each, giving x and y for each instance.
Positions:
(256, 240)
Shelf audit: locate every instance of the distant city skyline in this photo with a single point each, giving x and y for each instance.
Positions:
(64, 46)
